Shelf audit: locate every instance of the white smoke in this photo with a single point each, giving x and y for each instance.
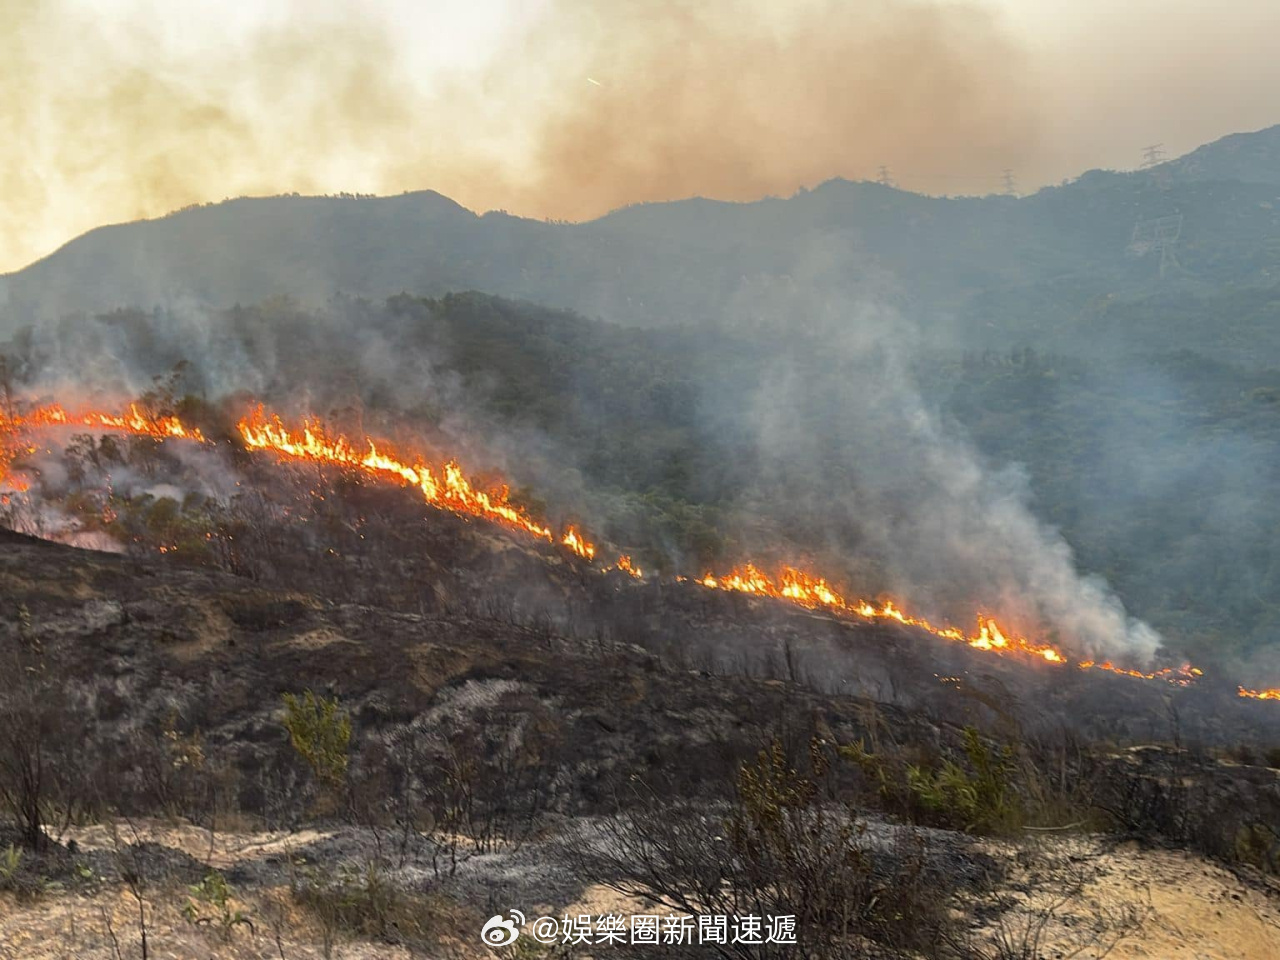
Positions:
(910, 499)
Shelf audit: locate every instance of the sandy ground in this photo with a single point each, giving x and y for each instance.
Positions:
(96, 925)
(1197, 910)
(1135, 903)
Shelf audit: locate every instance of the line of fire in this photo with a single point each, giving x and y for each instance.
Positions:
(445, 485)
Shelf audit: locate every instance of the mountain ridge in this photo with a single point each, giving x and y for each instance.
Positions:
(1252, 156)
(686, 261)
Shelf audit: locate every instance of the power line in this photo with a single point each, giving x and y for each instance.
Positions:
(1160, 236)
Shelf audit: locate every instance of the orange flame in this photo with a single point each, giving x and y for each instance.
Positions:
(135, 421)
(1272, 694)
(815, 592)
(574, 541)
(626, 566)
(448, 488)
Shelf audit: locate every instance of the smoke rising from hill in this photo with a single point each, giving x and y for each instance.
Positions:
(844, 467)
(903, 497)
(583, 111)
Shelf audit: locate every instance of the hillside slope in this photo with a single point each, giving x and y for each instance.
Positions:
(168, 736)
(1248, 157)
(693, 261)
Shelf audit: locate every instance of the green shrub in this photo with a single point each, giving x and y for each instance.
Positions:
(214, 895)
(980, 798)
(321, 733)
(10, 862)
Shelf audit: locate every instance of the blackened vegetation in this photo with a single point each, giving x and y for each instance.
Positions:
(340, 535)
(40, 735)
(732, 753)
(783, 844)
(1211, 804)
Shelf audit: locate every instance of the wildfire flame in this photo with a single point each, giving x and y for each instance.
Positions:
(574, 541)
(135, 421)
(1272, 694)
(626, 566)
(13, 425)
(447, 487)
(815, 592)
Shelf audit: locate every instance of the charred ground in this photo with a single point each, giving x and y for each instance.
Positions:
(574, 714)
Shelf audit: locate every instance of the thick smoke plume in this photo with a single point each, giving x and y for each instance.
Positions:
(712, 98)
(127, 110)
(115, 113)
(917, 511)
(721, 99)
(592, 107)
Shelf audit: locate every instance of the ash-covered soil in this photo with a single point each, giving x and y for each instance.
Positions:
(149, 643)
(461, 606)
(543, 698)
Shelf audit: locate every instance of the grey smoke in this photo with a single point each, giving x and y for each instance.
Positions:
(905, 504)
(926, 517)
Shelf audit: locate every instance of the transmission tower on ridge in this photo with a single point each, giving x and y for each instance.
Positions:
(1152, 156)
(1010, 182)
(1157, 236)
(884, 177)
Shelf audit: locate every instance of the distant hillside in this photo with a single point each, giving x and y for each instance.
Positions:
(1249, 157)
(697, 261)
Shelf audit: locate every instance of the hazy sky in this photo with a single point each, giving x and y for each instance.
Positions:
(119, 109)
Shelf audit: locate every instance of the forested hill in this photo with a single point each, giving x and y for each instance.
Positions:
(1250, 157)
(1040, 270)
